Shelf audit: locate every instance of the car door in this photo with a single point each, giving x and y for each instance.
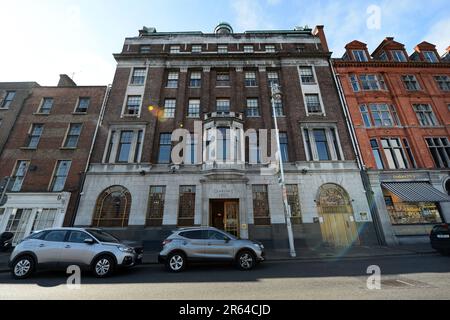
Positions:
(76, 251)
(195, 243)
(219, 246)
(49, 248)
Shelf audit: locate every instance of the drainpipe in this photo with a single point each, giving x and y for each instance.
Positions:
(363, 171)
(88, 162)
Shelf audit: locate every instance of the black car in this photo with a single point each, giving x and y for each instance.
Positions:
(6, 241)
(440, 239)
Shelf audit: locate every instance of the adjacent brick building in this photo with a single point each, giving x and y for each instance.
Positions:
(400, 109)
(221, 82)
(46, 155)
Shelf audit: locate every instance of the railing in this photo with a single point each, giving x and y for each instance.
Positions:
(228, 114)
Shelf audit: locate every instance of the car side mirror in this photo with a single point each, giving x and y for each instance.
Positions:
(89, 241)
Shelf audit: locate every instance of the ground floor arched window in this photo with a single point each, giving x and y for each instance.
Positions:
(113, 208)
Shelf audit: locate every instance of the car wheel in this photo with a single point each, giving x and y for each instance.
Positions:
(103, 267)
(23, 267)
(245, 260)
(176, 262)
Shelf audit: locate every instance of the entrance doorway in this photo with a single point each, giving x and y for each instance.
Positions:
(335, 210)
(224, 215)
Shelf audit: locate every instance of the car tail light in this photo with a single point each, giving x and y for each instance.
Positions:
(445, 226)
(166, 242)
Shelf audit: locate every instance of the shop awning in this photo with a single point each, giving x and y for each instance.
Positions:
(416, 192)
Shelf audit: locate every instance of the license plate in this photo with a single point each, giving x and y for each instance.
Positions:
(443, 236)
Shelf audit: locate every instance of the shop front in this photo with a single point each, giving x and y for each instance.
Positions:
(413, 206)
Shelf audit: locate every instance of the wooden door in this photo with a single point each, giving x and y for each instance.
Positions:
(339, 230)
(232, 218)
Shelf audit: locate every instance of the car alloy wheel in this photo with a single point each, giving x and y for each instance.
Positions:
(246, 261)
(102, 267)
(176, 262)
(22, 268)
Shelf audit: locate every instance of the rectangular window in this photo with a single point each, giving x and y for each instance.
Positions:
(124, 148)
(294, 203)
(223, 79)
(284, 146)
(425, 115)
(175, 49)
(83, 105)
(186, 209)
(133, 107)
(411, 83)
(321, 143)
(252, 108)
(430, 56)
(372, 82)
(138, 77)
(335, 138)
(443, 82)
(383, 56)
(170, 106)
(313, 103)
(222, 49)
(273, 79)
(381, 115)
(248, 49)
(165, 148)
(35, 135)
(398, 56)
(394, 153)
(60, 176)
(310, 155)
(377, 154)
(145, 49)
(194, 108)
(261, 212)
(138, 149)
(196, 48)
(156, 203)
(223, 105)
(360, 55)
(279, 109)
(19, 175)
(196, 80)
(172, 80)
(354, 82)
(270, 48)
(307, 75)
(73, 135)
(440, 150)
(6, 102)
(366, 116)
(411, 159)
(47, 105)
(250, 79)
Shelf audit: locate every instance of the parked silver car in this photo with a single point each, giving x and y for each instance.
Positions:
(209, 244)
(91, 249)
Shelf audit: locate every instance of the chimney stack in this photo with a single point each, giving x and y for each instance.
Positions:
(66, 81)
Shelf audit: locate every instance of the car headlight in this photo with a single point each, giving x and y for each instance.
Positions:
(126, 249)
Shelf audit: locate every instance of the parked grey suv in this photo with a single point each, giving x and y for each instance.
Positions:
(209, 244)
(91, 249)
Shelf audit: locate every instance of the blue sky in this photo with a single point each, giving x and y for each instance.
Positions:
(41, 39)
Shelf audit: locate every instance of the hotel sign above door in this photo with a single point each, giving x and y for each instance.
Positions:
(223, 191)
(404, 177)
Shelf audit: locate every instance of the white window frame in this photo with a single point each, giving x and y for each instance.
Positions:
(172, 76)
(357, 57)
(270, 48)
(426, 55)
(398, 56)
(115, 148)
(222, 48)
(331, 147)
(173, 107)
(196, 48)
(132, 76)
(249, 48)
(63, 146)
(190, 103)
(125, 107)
(175, 49)
(55, 170)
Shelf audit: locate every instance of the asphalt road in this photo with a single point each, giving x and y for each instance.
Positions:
(406, 277)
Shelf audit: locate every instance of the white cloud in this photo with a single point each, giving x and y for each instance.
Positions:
(248, 14)
(438, 35)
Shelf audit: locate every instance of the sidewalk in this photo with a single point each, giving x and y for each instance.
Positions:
(322, 253)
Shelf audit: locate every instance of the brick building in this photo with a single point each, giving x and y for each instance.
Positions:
(12, 96)
(46, 155)
(400, 109)
(206, 83)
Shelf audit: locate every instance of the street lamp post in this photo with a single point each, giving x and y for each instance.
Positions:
(276, 96)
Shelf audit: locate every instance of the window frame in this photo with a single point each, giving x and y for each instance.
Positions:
(142, 77)
(356, 55)
(6, 102)
(31, 135)
(112, 148)
(427, 115)
(333, 142)
(55, 176)
(42, 104)
(126, 108)
(196, 114)
(252, 110)
(68, 135)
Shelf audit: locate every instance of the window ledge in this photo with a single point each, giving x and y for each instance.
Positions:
(66, 148)
(41, 114)
(28, 148)
(136, 85)
(79, 113)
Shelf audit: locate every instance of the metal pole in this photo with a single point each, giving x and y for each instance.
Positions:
(287, 210)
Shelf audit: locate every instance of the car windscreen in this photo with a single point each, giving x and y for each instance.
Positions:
(103, 236)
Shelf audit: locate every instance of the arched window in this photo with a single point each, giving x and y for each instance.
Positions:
(334, 199)
(113, 208)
